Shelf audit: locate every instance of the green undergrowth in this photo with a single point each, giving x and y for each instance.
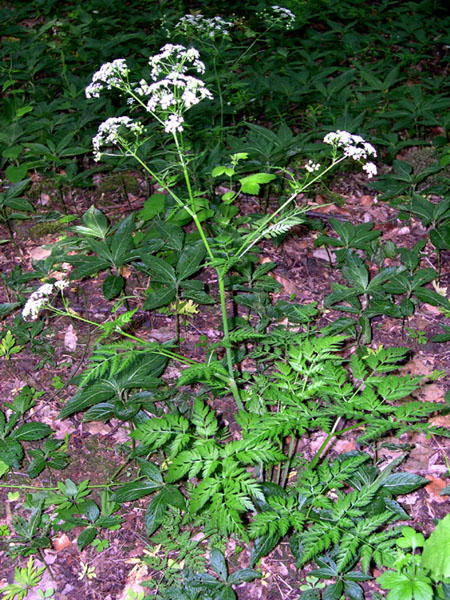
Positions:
(289, 98)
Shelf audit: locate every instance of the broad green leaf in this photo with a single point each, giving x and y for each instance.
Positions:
(11, 453)
(436, 551)
(404, 587)
(198, 296)
(217, 563)
(7, 307)
(440, 237)
(87, 266)
(122, 240)
(243, 575)
(19, 204)
(160, 270)
(172, 235)
(175, 497)
(150, 470)
(403, 483)
(99, 412)
(31, 431)
(431, 297)
(224, 593)
(154, 514)
(262, 546)
(86, 397)
(93, 223)
(353, 591)
(16, 174)
(125, 410)
(442, 337)
(333, 591)
(135, 490)
(190, 260)
(112, 286)
(252, 183)
(159, 298)
(154, 205)
(86, 537)
(12, 152)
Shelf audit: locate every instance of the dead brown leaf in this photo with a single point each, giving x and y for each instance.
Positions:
(434, 487)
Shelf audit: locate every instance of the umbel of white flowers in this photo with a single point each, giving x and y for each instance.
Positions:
(171, 94)
(39, 298)
(353, 146)
(210, 27)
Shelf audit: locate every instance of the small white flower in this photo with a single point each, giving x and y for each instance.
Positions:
(280, 15)
(354, 146)
(371, 169)
(173, 124)
(213, 27)
(178, 90)
(311, 166)
(61, 284)
(108, 132)
(175, 57)
(37, 300)
(110, 75)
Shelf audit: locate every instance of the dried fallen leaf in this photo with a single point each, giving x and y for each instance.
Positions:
(39, 253)
(61, 542)
(434, 487)
(70, 339)
(97, 428)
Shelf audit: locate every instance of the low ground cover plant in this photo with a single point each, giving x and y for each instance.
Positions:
(233, 128)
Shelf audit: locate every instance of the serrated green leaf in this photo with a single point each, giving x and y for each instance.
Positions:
(135, 490)
(112, 286)
(154, 205)
(11, 453)
(155, 512)
(252, 183)
(436, 551)
(262, 546)
(87, 266)
(86, 397)
(160, 270)
(403, 483)
(93, 223)
(86, 537)
(122, 240)
(100, 412)
(217, 563)
(190, 260)
(161, 297)
(243, 575)
(31, 431)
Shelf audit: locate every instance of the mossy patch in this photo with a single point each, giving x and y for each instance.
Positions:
(41, 230)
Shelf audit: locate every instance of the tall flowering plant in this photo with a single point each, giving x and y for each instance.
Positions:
(174, 89)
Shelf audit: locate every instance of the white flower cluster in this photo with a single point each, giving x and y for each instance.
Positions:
(108, 132)
(281, 15)
(39, 298)
(110, 75)
(176, 92)
(311, 166)
(371, 169)
(213, 27)
(182, 91)
(354, 146)
(175, 57)
(173, 124)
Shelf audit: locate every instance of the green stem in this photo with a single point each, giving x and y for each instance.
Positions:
(259, 232)
(332, 434)
(220, 277)
(287, 466)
